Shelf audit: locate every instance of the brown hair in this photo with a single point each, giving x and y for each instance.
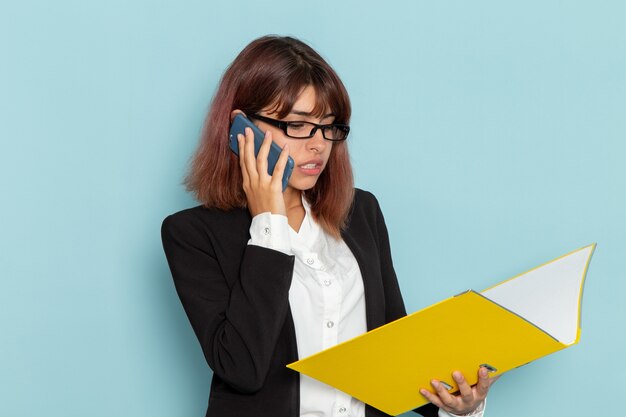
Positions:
(272, 71)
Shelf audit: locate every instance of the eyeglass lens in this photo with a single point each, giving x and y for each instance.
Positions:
(305, 130)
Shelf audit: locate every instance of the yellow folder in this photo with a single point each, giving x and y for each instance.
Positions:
(505, 326)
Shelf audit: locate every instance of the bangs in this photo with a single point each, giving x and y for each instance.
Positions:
(328, 95)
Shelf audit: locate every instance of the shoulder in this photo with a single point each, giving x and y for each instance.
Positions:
(364, 197)
(184, 220)
(200, 221)
(365, 213)
(365, 203)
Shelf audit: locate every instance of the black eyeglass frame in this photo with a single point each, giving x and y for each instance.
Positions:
(283, 125)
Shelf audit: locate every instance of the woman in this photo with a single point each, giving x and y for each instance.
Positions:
(267, 276)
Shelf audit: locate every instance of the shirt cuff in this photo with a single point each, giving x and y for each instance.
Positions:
(479, 412)
(270, 231)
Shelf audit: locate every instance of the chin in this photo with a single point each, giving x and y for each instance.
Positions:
(303, 184)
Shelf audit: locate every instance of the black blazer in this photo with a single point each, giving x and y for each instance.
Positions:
(236, 298)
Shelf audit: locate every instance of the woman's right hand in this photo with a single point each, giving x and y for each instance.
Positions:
(263, 191)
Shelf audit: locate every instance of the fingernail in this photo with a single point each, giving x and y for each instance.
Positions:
(423, 392)
(434, 383)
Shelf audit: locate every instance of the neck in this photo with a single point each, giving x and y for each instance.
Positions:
(295, 209)
(293, 198)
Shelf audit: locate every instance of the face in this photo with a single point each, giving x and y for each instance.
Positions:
(310, 155)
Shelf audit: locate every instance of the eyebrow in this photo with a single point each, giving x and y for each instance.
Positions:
(306, 113)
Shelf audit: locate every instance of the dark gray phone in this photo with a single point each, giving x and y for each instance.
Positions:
(240, 122)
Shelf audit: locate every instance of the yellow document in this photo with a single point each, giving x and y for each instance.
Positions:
(505, 326)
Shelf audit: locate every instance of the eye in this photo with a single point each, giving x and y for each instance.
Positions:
(297, 126)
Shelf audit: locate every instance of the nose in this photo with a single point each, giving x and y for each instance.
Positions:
(317, 142)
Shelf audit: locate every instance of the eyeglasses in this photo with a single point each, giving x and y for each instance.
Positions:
(304, 130)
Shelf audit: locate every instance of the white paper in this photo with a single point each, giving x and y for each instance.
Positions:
(549, 295)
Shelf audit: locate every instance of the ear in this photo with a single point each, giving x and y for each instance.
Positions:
(235, 113)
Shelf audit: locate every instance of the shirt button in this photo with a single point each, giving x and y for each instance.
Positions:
(327, 282)
(310, 261)
(343, 410)
(330, 324)
(267, 231)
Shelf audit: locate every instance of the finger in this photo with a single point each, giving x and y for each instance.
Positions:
(249, 155)
(264, 150)
(279, 168)
(465, 391)
(482, 388)
(493, 379)
(447, 399)
(433, 398)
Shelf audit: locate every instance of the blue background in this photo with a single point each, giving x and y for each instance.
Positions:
(491, 132)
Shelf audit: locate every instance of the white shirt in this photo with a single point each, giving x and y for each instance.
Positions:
(326, 299)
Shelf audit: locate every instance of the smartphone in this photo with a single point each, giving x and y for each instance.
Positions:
(240, 122)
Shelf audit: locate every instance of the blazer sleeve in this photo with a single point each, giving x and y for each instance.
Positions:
(237, 325)
(393, 298)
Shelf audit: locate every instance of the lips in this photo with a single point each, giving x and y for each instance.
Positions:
(311, 167)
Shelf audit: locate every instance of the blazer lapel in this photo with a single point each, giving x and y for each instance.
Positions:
(372, 283)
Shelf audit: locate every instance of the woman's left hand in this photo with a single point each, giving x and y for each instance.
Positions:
(467, 399)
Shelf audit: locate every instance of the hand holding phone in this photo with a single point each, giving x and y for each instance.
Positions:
(238, 126)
